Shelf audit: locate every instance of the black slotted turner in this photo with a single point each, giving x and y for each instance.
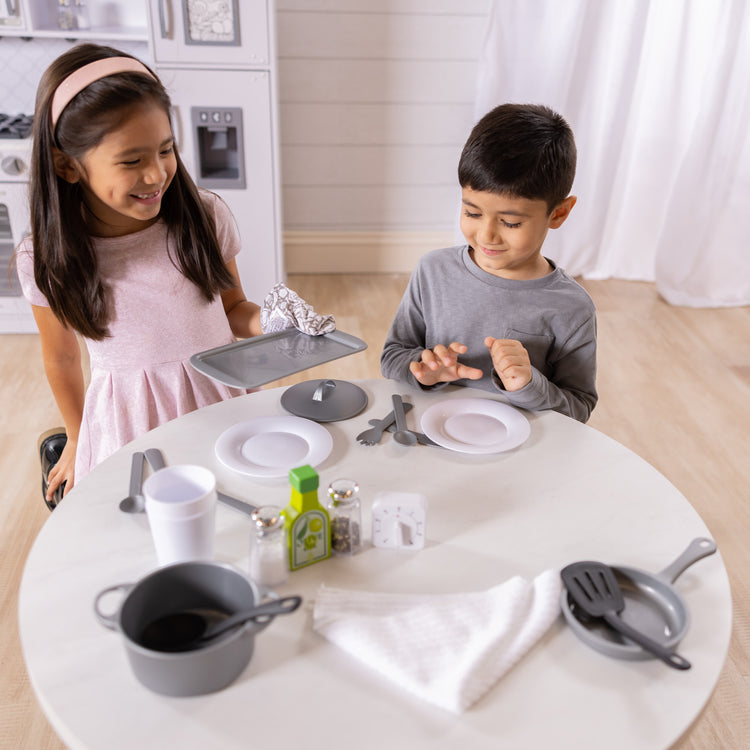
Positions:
(595, 590)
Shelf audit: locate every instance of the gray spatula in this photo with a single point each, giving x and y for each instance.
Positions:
(595, 590)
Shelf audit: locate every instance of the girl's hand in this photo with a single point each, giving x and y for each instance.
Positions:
(441, 365)
(63, 471)
(511, 362)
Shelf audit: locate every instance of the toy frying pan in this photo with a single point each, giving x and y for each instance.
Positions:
(652, 605)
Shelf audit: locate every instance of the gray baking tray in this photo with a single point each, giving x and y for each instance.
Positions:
(253, 362)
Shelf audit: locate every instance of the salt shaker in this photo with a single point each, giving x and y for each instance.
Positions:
(345, 510)
(269, 565)
(81, 14)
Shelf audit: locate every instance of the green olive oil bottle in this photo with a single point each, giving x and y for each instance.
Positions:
(306, 520)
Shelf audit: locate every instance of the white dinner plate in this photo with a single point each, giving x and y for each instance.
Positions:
(475, 425)
(271, 446)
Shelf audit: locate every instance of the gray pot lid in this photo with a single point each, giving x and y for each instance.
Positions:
(324, 400)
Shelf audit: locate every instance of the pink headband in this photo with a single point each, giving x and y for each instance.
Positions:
(85, 76)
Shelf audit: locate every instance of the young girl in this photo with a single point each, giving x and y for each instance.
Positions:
(128, 253)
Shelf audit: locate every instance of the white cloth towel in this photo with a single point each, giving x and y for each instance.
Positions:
(283, 308)
(448, 649)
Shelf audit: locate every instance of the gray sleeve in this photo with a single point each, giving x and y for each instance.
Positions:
(571, 387)
(406, 337)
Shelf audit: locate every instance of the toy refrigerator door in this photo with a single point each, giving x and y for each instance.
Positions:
(211, 33)
(246, 94)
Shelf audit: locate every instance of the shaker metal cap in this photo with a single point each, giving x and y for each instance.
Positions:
(343, 491)
(267, 518)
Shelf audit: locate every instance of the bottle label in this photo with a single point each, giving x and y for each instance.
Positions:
(309, 539)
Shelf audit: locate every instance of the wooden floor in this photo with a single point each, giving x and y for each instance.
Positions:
(674, 387)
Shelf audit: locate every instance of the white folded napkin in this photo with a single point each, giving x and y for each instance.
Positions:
(284, 308)
(448, 649)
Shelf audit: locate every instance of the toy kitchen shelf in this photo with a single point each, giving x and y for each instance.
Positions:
(101, 20)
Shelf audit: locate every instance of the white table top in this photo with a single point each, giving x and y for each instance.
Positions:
(568, 493)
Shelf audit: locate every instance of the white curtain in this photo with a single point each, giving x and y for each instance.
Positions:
(658, 95)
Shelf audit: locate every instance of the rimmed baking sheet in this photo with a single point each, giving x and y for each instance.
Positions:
(253, 362)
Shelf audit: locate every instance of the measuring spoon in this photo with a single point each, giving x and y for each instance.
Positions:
(402, 434)
(134, 502)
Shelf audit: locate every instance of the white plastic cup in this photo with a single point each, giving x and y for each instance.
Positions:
(181, 509)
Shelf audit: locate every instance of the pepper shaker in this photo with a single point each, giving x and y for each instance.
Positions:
(344, 508)
(269, 566)
(65, 18)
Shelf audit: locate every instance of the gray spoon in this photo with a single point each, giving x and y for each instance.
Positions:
(134, 502)
(155, 459)
(402, 434)
(191, 629)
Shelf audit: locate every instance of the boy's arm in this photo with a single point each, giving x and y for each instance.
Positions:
(406, 338)
(406, 356)
(571, 389)
(403, 345)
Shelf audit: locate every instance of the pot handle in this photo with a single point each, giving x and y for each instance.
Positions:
(110, 621)
(266, 597)
(696, 550)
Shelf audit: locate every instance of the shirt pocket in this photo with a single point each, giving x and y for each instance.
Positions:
(538, 345)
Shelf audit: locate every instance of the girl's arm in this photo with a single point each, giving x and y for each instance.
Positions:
(243, 315)
(61, 354)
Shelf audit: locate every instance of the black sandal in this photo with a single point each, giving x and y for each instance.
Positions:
(50, 445)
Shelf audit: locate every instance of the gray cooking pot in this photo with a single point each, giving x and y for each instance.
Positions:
(652, 604)
(173, 588)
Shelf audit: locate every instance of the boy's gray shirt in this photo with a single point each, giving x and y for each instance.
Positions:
(449, 298)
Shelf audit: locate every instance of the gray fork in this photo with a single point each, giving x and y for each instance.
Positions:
(373, 435)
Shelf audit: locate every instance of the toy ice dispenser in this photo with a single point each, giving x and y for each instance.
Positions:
(219, 142)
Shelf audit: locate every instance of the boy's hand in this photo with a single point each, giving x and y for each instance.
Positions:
(511, 362)
(441, 365)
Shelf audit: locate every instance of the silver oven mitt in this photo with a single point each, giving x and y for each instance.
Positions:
(284, 308)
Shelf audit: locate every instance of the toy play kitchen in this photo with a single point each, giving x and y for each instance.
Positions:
(15, 157)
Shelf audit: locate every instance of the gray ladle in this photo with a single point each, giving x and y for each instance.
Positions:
(402, 434)
(191, 629)
(134, 502)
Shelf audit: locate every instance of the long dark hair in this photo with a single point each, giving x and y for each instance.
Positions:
(65, 263)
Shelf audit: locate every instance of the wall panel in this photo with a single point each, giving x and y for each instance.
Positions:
(376, 101)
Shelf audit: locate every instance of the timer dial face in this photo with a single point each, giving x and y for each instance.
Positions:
(398, 520)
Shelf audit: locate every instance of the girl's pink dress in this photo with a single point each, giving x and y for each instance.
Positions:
(141, 376)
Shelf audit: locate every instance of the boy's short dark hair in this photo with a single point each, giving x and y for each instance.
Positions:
(522, 150)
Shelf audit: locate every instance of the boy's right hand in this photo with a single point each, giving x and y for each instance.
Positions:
(441, 365)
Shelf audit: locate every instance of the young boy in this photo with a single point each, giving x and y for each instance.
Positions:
(495, 313)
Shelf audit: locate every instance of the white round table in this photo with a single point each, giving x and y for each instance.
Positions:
(568, 493)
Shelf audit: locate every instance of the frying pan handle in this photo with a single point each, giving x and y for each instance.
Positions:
(696, 550)
(667, 656)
